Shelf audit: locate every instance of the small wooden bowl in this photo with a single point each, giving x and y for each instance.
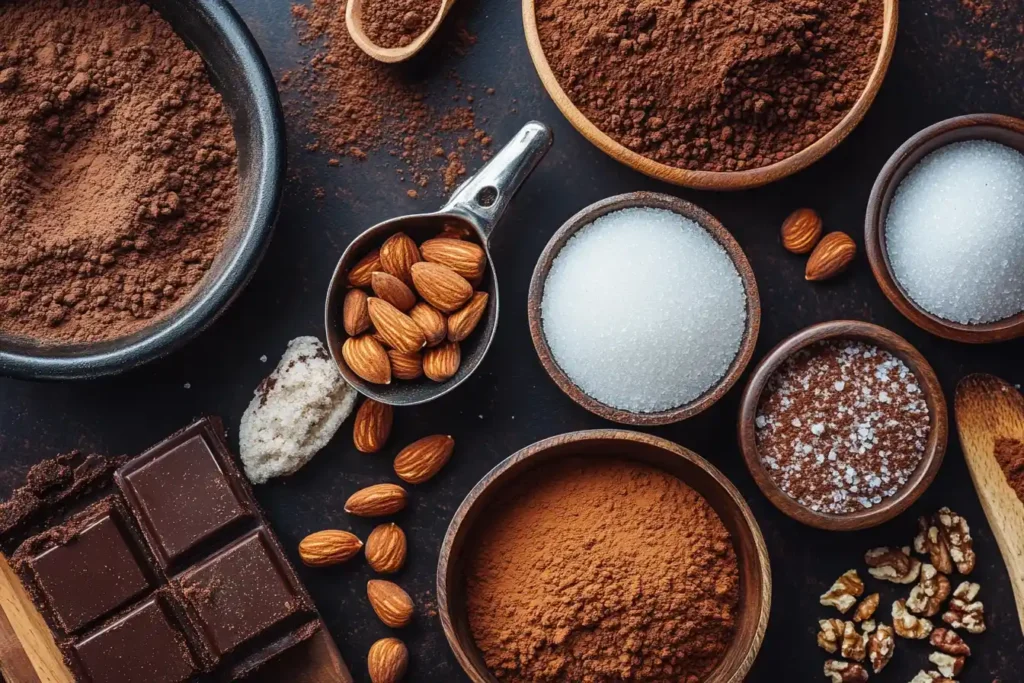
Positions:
(713, 180)
(1002, 129)
(755, 568)
(935, 449)
(706, 221)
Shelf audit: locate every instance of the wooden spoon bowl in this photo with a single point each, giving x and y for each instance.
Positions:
(712, 180)
(935, 449)
(390, 55)
(1002, 129)
(751, 553)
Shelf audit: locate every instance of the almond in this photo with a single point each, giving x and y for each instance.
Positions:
(440, 286)
(431, 321)
(325, 548)
(390, 603)
(465, 258)
(393, 290)
(355, 317)
(442, 362)
(387, 661)
(386, 548)
(462, 322)
(801, 231)
(372, 426)
(376, 501)
(396, 328)
(367, 358)
(831, 257)
(361, 272)
(406, 365)
(421, 460)
(454, 231)
(397, 255)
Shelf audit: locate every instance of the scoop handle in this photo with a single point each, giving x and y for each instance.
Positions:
(484, 197)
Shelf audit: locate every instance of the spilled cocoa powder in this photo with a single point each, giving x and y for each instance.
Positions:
(396, 23)
(118, 169)
(712, 85)
(602, 570)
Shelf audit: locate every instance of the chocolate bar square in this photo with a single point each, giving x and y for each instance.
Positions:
(143, 646)
(185, 493)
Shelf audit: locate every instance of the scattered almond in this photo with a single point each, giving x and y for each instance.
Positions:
(389, 602)
(397, 255)
(462, 322)
(833, 254)
(431, 321)
(422, 459)
(465, 258)
(354, 314)
(393, 290)
(386, 548)
(396, 328)
(801, 231)
(325, 548)
(406, 366)
(372, 426)
(367, 358)
(387, 661)
(440, 286)
(361, 272)
(442, 362)
(377, 500)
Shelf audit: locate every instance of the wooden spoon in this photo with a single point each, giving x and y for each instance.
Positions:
(987, 408)
(390, 55)
(27, 651)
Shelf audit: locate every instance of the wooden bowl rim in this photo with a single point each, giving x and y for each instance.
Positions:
(889, 178)
(935, 449)
(498, 475)
(714, 227)
(715, 180)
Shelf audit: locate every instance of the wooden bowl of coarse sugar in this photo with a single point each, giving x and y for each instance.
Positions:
(715, 180)
(478, 508)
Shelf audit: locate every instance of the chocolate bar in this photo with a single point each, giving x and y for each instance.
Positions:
(172, 576)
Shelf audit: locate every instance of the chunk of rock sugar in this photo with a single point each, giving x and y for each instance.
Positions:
(955, 232)
(644, 310)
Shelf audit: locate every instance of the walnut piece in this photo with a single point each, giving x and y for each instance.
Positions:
(927, 596)
(844, 592)
(963, 611)
(893, 564)
(949, 641)
(866, 609)
(868, 626)
(881, 645)
(946, 538)
(855, 645)
(930, 542)
(907, 625)
(830, 634)
(948, 665)
(845, 672)
(931, 677)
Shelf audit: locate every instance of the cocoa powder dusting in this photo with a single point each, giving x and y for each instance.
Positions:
(396, 23)
(1010, 455)
(712, 85)
(117, 169)
(602, 570)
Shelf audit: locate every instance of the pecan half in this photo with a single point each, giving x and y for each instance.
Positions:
(845, 672)
(927, 596)
(907, 625)
(949, 641)
(963, 611)
(881, 645)
(866, 609)
(844, 592)
(893, 564)
(947, 665)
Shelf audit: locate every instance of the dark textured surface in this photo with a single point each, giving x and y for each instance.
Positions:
(510, 402)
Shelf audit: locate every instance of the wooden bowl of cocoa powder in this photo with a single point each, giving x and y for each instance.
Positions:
(625, 79)
(647, 474)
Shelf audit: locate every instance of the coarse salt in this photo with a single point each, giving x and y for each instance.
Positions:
(644, 310)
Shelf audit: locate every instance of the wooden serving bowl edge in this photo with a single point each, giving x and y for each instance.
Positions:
(728, 503)
(688, 210)
(713, 180)
(998, 128)
(935, 449)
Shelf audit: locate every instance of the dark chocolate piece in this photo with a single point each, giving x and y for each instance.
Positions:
(184, 492)
(241, 592)
(143, 646)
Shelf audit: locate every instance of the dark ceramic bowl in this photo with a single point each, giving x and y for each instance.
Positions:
(241, 75)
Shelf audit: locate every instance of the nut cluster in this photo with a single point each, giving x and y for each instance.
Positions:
(829, 255)
(411, 306)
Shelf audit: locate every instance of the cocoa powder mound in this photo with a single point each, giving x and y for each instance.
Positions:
(396, 23)
(1010, 456)
(602, 570)
(712, 85)
(118, 169)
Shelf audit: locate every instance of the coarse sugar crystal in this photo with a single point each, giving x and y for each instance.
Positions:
(644, 310)
(955, 232)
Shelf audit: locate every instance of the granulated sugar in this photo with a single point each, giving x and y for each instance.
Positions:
(955, 232)
(644, 310)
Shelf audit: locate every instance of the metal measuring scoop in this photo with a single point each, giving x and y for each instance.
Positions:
(477, 205)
